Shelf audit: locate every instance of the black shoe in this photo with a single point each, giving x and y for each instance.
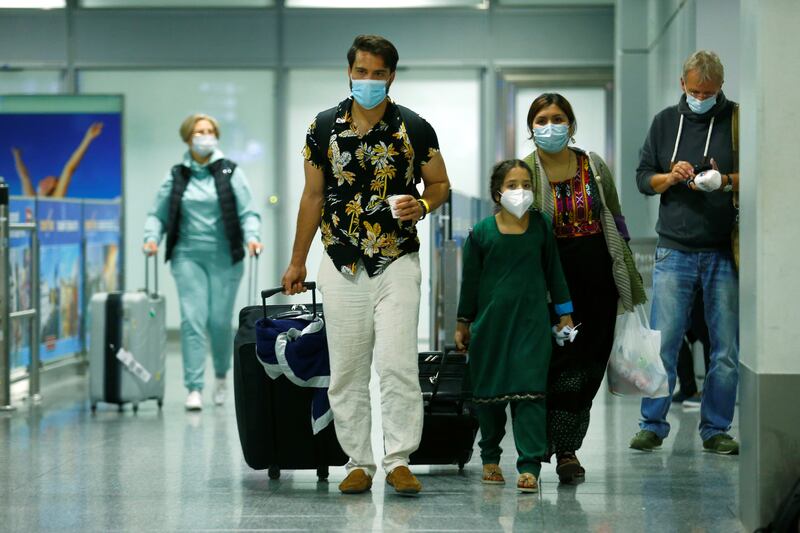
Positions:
(680, 396)
(569, 469)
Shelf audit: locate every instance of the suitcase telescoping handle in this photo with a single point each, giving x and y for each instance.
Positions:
(147, 274)
(252, 280)
(310, 285)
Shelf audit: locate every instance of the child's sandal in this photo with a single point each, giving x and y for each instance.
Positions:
(492, 475)
(527, 483)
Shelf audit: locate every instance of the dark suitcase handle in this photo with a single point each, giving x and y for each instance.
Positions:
(448, 348)
(310, 285)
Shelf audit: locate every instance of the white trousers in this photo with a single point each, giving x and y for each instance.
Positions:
(365, 315)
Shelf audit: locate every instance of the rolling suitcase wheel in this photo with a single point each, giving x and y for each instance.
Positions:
(460, 466)
(160, 404)
(274, 472)
(94, 408)
(322, 473)
(135, 408)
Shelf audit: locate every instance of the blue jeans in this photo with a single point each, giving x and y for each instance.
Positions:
(677, 277)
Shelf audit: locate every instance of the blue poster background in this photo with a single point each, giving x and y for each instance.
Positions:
(103, 244)
(102, 236)
(20, 210)
(61, 283)
(46, 142)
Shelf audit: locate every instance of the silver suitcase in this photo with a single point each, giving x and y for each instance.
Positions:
(127, 346)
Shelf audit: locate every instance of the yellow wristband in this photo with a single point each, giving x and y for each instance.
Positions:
(426, 204)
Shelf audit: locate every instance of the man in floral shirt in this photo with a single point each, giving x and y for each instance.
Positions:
(358, 155)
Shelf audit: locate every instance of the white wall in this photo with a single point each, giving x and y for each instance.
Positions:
(722, 36)
(648, 69)
(769, 132)
(156, 102)
(449, 100)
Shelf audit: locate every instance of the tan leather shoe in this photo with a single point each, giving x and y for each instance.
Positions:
(356, 482)
(403, 481)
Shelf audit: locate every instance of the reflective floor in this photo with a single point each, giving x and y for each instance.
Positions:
(61, 468)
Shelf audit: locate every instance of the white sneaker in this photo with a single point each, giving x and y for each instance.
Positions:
(692, 402)
(220, 391)
(194, 402)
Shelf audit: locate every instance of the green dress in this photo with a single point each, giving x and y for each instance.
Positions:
(505, 282)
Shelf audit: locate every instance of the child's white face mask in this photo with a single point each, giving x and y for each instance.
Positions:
(517, 201)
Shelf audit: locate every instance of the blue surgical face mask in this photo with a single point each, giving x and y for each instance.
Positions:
(551, 138)
(204, 145)
(368, 93)
(700, 106)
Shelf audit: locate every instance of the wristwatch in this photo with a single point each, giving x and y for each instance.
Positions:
(728, 187)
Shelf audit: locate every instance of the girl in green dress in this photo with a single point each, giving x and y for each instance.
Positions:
(510, 264)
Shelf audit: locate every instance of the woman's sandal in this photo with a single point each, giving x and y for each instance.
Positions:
(527, 483)
(492, 475)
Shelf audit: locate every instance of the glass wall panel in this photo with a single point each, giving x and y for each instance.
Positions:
(560, 3)
(371, 4)
(448, 99)
(176, 3)
(156, 102)
(589, 105)
(31, 82)
(32, 4)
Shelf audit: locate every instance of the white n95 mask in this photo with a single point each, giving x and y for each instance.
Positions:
(517, 201)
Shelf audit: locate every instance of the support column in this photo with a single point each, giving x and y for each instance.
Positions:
(768, 281)
(631, 115)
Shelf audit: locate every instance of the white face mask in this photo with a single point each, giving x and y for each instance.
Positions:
(517, 201)
(203, 145)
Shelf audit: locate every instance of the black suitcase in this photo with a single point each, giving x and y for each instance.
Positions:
(449, 425)
(273, 415)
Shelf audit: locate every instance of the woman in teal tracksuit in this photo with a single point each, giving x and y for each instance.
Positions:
(206, 210)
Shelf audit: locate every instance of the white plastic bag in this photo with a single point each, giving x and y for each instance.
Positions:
(635, 366)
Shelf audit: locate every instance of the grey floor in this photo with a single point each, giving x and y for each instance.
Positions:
(61, 468)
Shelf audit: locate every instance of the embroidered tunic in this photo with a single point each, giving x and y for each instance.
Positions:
(576, 203)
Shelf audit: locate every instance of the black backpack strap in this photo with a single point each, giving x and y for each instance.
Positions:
(322, 131)
(415, 128)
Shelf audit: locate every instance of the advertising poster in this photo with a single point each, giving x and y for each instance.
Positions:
(55, 146)
(20, 210)
(60, 289)
(101, 233)
(62, 150)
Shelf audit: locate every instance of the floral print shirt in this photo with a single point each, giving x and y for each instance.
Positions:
(360, 174)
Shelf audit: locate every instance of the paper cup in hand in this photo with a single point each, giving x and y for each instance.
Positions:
(393, 200)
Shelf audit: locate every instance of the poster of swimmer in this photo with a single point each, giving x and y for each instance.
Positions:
(62, 146)
(61, 279)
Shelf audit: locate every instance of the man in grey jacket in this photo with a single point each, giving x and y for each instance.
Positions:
(689, 159)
